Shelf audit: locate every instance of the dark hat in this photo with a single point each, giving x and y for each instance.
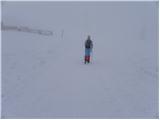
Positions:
(89, 37)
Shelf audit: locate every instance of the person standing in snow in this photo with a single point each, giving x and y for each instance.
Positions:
(88, 49)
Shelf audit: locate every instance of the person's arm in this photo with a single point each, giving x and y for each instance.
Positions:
(91, 45)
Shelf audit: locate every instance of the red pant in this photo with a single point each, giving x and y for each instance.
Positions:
(87, 58)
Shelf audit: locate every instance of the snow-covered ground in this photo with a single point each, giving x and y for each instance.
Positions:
(45, 77)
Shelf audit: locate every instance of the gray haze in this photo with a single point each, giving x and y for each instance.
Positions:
(44, 76)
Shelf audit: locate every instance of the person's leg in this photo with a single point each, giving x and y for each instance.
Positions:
(85, 59)
(88, 59)
(87, 55)
(89, 52)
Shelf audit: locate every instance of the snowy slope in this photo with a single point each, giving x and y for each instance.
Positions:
(44, 76)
